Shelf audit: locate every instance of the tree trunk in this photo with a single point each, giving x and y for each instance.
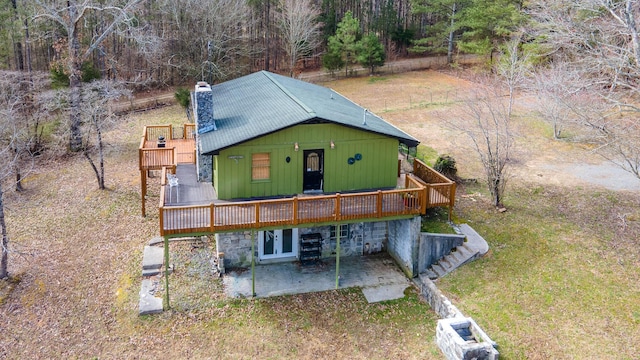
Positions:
(98, 173)
(98, 170)
(75, 84)
(5, 241)
(17, 44)
(267, 37)
(75, 115)
(450, 45)
(26, 45)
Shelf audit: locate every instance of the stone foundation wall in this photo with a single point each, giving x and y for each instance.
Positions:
(357, 239)
(236, 248)
(402, 244)
(205, 168)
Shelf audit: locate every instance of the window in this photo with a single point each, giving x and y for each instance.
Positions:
(343, 232)
(260, 166)
(313, 162)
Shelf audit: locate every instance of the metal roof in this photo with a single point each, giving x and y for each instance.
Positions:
(262, 103)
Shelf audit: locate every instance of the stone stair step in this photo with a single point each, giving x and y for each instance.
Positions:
(438, 270)
(152, 258)
(457, 255)
(466, 252)
(445, 264)
(149, 304)
(150, 272)
(431, 274)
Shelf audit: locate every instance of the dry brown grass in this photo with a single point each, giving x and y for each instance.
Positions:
(562, 275)
(75, 288)
(560, 282)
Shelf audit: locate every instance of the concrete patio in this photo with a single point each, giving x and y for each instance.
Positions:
(377, 275)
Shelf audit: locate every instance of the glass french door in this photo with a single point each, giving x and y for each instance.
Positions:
(273, 244)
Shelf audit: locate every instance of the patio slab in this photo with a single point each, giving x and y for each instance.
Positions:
(377, 272)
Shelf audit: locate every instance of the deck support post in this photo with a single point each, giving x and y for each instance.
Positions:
(253, 263)
(337, 256)
(166, 272)
(143, 186)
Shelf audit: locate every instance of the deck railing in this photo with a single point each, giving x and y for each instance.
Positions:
(152, 157)
(169, 132)
(228, 216)
(440, 190)
(425, 190)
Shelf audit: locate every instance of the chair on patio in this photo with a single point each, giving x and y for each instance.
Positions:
(172, 179)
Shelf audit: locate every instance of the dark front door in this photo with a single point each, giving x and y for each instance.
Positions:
(313, 167)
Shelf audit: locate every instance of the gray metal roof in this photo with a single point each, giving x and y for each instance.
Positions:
(262, 103)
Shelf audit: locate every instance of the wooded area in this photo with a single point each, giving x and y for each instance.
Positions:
(171, 42)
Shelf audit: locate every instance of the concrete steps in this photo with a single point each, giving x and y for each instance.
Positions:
(474, 247)
(152, 261)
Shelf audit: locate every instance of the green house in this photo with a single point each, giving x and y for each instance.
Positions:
(265, 135)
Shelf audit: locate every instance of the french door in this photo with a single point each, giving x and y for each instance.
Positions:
(273, 244)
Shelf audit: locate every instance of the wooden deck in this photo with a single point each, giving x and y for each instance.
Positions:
(179, 148)
(193, 208)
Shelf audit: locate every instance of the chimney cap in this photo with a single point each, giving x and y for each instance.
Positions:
(202, 86)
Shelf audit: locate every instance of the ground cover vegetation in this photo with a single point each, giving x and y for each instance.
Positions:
(563, 252)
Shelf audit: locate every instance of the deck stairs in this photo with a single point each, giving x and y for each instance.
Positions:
(474, 247)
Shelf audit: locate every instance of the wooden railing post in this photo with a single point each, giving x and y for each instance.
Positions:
(452, 199)
(379, 204)
(423, 199)
(337, 210)
(161, 215)
(427, 196)
(212, 211)
(257, 205)
(295, 210)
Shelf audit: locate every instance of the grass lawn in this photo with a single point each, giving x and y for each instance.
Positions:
(560, 282)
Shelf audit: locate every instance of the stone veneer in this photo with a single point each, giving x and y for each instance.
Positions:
(202, 100)
(361, 239)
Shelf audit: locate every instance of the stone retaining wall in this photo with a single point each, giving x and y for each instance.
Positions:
(449, 331)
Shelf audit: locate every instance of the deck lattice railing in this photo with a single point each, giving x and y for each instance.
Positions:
(425, 190)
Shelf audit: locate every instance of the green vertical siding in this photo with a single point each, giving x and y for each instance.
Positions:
(376, 169)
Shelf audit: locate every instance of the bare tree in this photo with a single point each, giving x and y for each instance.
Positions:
(488, 118)
(299, 28)
(598, 40)
(17, 138)
(556, 95)
(23, 114)
(97, 112)
(622, 144)
(72, 16)
(487, 124)
(218, 46)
